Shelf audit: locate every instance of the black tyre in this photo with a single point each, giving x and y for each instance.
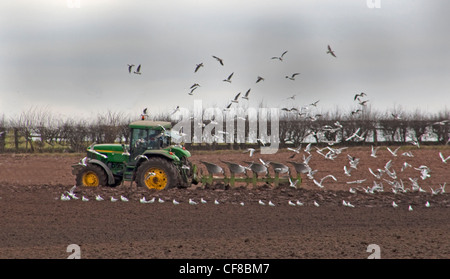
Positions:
(157, 173)
(91, 176)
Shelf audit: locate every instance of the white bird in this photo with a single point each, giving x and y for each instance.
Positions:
(296, 150)
(175, 202)
(408, 154)
(344, 203)
(251, 150)
(299, 203)
(316, 204)
(380, 173)
(152, 200)
(266, 164)
(330, 51)
(355, 134)
(323, 178)
(405, 165)
(216, 202)
(65, 198)
(228, 79)
(124, 199)
(202, 200)
(192, 202)
(261, 202)
(353, 161)
(427, 204)
(374, 151)
(308, 148)
(394, 205)
(291, 203)
(350, 205)
(347, 171)
(242, 203)
(71, 192)
(410, 208)
(271, 203)
(394, 153)
(218, 59)
(280, 57)
(442, 158)
(352, 190)
(130, 66)
(359, 181)
(293, 184)
(98, 198)
(443, 187)
(292, 77)
(113, 199)
(143, 200)
(138, 70)
(83, 198)
(246, 95)
(259, 78)
(160, 200)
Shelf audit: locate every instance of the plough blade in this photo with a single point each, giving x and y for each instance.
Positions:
(260, 173)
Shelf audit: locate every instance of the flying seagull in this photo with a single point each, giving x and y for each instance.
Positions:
(138, 70)
(281, 57)
(130, 66)
(246, 94)
(374, 151)
(229, 78)
(331, 51)
(218, 59)
(292, 77)
(235, 100)
(292, 97)
(362, 94)
(198, 67)
(259, 78)
(442, 158)
(192, 91)
(319, 184)
(394, 153)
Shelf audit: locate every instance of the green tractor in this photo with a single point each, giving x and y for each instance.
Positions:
(150, 160)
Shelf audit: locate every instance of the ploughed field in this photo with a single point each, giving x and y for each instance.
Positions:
(36, 223)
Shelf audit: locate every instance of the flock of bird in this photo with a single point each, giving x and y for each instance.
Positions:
(328, 153)
(258, 78)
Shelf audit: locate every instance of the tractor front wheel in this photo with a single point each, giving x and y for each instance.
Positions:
(157, 173)
(91, 176)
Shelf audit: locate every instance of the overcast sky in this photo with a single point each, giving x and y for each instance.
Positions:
(73, 61)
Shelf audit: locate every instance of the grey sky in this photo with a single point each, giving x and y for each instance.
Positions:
(74, 60)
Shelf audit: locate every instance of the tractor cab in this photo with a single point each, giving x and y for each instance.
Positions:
(148, 135)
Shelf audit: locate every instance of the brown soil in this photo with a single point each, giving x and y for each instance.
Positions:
(36, 223)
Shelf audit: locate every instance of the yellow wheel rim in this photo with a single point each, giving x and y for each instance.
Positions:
(155, 178)
(90, 179)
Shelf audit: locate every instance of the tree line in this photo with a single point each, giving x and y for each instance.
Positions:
(38, 130)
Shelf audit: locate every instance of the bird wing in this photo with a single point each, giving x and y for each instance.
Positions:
(237, 96)
(283, 53)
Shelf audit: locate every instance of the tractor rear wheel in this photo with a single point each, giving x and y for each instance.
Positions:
(157, 173)
(91, 176)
